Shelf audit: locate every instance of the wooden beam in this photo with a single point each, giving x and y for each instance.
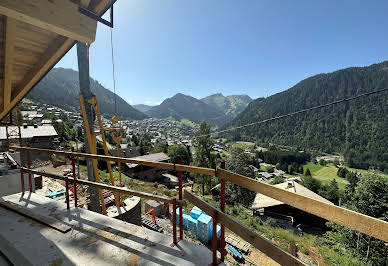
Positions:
(357, 221)
(47, 220)
(59, 16)
(59, 47)
(52, 55)
(259, 242)
(102, 6)
(10, 33)
(160, 165)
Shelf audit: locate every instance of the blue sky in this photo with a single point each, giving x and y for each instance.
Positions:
(254, 47)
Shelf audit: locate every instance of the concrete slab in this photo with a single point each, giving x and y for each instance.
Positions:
(94, 239)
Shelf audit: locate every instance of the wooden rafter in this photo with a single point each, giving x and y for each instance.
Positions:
(10, 30)
(59, 47)
(59, 16)
(51, 56)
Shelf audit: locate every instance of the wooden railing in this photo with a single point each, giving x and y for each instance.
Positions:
(357, 221)
(121, 190)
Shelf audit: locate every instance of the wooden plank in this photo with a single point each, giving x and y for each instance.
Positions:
(10, 32)
(59, 16)
(168, 166)
(357, 221)
(108, 187)
(47, 220)
(52, 55)
(11, 253)
(261, 243)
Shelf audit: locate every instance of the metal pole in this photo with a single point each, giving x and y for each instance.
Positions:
(222, 240)
(75, 177)
(67, 192)
(28, 167)
(174, 240)
(180, 197)
(21, 171)
(214, 239)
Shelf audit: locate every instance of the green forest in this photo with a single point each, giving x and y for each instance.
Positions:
(60, 87)
(356, 129)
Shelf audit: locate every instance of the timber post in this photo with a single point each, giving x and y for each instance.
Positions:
(84, 84)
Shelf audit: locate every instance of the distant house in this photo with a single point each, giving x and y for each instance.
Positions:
(264, 205)
(126, 151)
(266, 175)
(144, 172)
(36, 136)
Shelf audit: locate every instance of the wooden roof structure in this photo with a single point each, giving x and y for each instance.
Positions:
(34, 36)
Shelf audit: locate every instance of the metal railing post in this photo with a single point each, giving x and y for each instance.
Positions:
(222, 240)
(214, 238)
(67, 191)
(174, 240)
(74, 176)
(181, 198)
(21, 171)
(28, 167)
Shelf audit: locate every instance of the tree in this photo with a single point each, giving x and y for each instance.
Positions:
(300, 169)
(160, 147)
(331, 192)
(290, 169)
(176, 151)
(307, 173)
(370, 197)
(277, 180)
(270, 169)
(135, 140)
(203, 147)
(342, 171)
(238, 162)
(311, 183)
(322, 162)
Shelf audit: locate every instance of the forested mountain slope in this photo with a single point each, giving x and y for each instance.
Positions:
(142, 107)
(358, 129)
(60, 87)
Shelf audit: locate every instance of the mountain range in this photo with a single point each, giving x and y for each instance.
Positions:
(216, 109)
(356, 129)
(60, 87)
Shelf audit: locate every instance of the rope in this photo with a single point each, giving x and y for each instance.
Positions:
(297, 112)
(113, 69)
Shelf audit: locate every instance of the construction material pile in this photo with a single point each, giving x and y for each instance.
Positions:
(198, 224)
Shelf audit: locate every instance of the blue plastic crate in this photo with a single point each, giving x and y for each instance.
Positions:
(204, 225)
(185, 221)
(177, 216)
(192, 225)
(196, 212)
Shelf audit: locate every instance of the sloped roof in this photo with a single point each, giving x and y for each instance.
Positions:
(30, 131)
(263, 201)
(154, 157)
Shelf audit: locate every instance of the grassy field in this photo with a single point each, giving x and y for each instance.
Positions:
(325, 174)
(187, 123)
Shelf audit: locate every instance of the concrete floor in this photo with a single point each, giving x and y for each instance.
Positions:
(94, 239)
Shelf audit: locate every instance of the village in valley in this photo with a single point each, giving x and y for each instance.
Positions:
(187, 133)
(313, 175)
